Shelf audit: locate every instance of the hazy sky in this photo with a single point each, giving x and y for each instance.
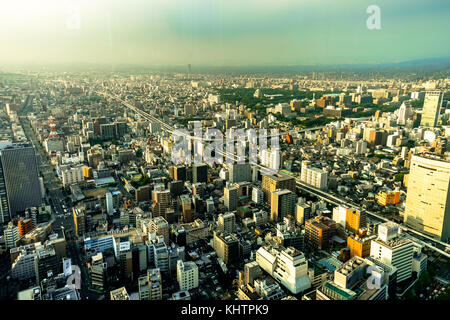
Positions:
(221, 32)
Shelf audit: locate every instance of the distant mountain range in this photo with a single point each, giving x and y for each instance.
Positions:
(429, 64)
(422, 65)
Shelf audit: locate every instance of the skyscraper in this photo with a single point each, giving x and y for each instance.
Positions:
(282, 204)
(230, 197)
(12, 235)
(109, 204)
(200, 173)
(240, 172)
(404, 113)
(394, 250)
(361, 147)
(355, 220)
(227, 222)
(287, 265)
(187, 275)
(19, 180)
(431, 108)
(428, 198)
(271, 183)
(160, 226)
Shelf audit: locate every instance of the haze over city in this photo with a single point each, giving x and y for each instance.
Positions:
(221, 32)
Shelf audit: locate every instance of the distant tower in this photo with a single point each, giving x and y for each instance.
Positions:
(189, 70)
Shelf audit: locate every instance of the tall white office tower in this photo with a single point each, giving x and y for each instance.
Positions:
(109, 204)
(427, 206)
(404, 113)
(431, 108)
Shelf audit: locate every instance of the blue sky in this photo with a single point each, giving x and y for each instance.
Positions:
(223, 32)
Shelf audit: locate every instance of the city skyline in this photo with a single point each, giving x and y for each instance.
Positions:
(225, 150)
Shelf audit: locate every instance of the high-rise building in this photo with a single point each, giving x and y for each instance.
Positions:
(161, 202)
(282, 204)
(12, 235)
(199, 173)
(121, 129)
(359, 246)
(71, 174)
(19, 181)
(97, 271)
(390, 197)
(4, 207)
(398, 252)
(187, 275)
(257, 196)
(179, 173)
(186, 208)
(125, 261)
(287, 265)
(227, 222)
(375, 137)
(109, 204)
(302, 213)
(404, 113)
(318, 232)
(119, 294)
(427, 200)
(355, 220)
(143, 193)
(24, 226)
(240, 172)
(46, 264)
(251, 271)
(271, 183)
(79, 220)
(159, 225)
(107, 131)
(314, 176)
(361, 147)
(431, 108)
(226, 247)
(230, 197)
(150, 285)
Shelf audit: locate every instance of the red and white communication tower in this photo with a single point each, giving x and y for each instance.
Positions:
(52, 125)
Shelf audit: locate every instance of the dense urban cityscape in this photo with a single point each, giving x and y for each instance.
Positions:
(345, 199)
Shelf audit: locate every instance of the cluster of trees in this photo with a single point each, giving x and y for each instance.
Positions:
(245, 96)
(399, 176)
(308, 123)
(373, 109)
(417, 104)
(381, 156)
(425, 279)
(95, 98)
(139, 153)
(141, 180)
(94, 141)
